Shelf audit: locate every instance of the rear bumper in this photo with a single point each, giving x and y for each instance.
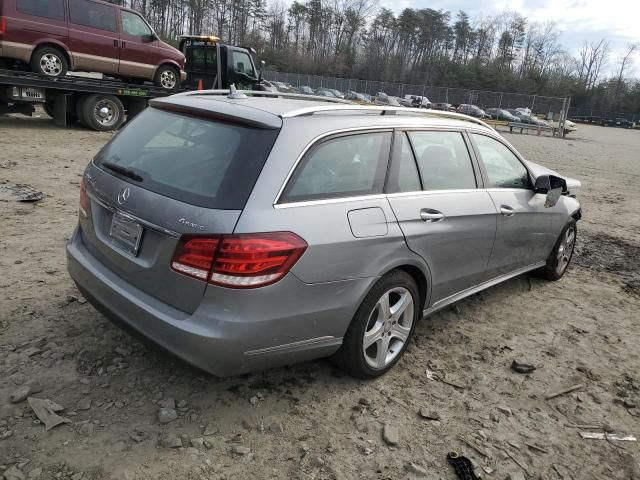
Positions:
(232, 331)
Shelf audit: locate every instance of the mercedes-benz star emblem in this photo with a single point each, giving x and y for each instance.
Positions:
(124, 194)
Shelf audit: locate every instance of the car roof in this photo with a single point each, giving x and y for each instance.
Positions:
(272, 111)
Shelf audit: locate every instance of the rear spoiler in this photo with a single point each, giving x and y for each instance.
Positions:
(235, 113)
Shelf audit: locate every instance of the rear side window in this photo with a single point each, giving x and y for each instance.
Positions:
(53, 9)
(202, 162)
(344, 166)
(443, 160)
(91, 14)
(403, 175)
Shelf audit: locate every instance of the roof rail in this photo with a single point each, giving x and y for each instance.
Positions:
(342, 106)
(257, 93)
(383, 110)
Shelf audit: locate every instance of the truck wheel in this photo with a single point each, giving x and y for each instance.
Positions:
(167, 77)
(49, 61)
(102, 112)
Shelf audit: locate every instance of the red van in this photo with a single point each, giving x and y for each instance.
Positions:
(54, 36)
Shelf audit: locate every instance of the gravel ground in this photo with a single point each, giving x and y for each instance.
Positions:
(310, 420)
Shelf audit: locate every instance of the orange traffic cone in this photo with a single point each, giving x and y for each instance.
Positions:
(200, 87)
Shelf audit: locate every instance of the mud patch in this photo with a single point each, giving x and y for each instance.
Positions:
(605, 253)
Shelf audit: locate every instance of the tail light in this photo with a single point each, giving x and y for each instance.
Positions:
(238, 261)
(3, 25)
(84, 199)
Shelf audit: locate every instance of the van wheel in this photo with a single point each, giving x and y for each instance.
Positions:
(50, 61)
(562, 253)
(101, 112)
(167, 77)
(381, 328)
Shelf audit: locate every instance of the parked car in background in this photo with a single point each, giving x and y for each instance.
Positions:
(283, 87)
(247, 233)
(415, 101)
(356, 97)
(383, 99)
(305, 90)
(472, 110)
(618, 122)
(527, 119)
(447, 107)
(524, 111)
(57, 36)
(325, 92)
(500, 114)
(336, 93)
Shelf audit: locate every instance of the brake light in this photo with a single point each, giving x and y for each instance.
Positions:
(238, 261)
(84, 199)
(3, 25)
(194, 256)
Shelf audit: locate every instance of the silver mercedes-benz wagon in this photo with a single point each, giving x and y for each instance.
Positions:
(245, 232)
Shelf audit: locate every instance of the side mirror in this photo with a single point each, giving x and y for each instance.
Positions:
(262, 65)
(149, 38)
(551, 186)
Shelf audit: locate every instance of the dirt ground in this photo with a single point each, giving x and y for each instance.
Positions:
(310, 421)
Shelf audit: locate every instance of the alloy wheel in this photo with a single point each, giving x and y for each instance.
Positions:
(565, 250)
(388, 327)
(168, 79)
(51, 64)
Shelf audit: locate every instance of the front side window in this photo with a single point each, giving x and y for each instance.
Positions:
(134, 25)
(345, 166)
(242, 64)
(504, 170)
(53, 9)
(91, 14)
(443, 160)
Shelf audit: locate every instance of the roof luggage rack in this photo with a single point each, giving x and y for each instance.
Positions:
(338, 105)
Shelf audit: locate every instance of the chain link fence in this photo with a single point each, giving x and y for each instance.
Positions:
(549, 107)
(590, 114)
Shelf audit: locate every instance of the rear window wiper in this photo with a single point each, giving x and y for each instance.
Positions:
(127, 172)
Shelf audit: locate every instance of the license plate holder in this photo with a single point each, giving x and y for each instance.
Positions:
(125, 233)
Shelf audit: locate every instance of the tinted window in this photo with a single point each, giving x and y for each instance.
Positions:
(504, 170)
(443, 160)
(94, 15)
(242, 63)
(404, 176)
(202, 162)
(42, 8)
(134, 25)
(341, 167)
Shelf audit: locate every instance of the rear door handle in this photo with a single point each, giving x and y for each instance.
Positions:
(115, 43)
(507, 211)
(431, 216)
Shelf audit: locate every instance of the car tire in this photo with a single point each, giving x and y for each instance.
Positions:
(50, 61)
(562, 253)
(101, 112)
(48, 108)
(387, 334)
(167, 77)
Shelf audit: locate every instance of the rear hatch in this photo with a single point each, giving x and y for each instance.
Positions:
(166, 174)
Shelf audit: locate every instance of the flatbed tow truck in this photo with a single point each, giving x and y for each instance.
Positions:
(104, 104)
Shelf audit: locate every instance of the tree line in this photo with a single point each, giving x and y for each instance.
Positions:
(356, 39)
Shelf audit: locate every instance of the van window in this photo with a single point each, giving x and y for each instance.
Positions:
(91, 14)
(53, 9)
(242, 63)
(198, 161)
(443, 160)
(134, 25)
(344, 166)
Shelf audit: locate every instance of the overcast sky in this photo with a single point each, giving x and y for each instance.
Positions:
(579, 20)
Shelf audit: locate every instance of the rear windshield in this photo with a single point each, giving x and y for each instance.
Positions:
(198, 161)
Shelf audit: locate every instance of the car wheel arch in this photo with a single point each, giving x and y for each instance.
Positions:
(55, 44)
(167, 63)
